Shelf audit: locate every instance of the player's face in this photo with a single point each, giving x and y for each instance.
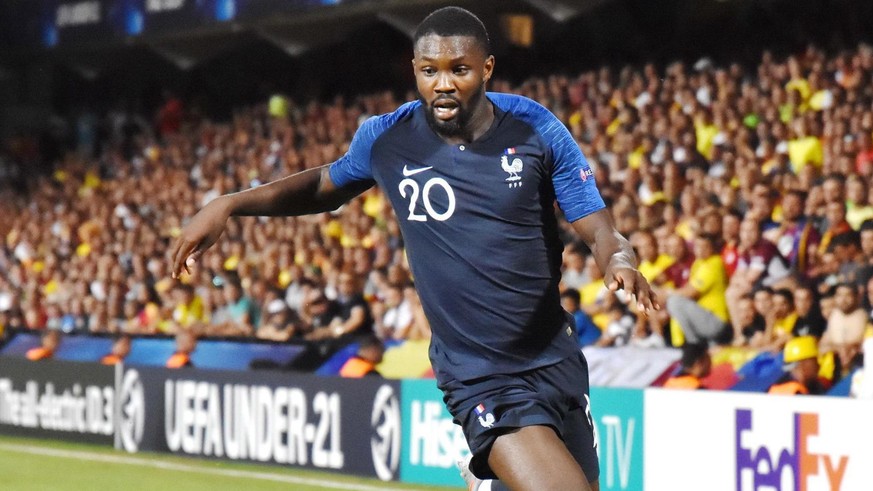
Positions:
(450, 74)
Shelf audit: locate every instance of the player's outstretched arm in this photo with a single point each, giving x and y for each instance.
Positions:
(310, 191)
(616, 258)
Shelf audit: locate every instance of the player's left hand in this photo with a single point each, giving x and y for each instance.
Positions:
(631, 281)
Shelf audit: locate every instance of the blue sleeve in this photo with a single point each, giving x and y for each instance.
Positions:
(355, 165)
(572, 177)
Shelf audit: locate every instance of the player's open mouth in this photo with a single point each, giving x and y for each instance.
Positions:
(445, 109)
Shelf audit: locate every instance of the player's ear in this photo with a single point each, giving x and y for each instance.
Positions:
(488, 68)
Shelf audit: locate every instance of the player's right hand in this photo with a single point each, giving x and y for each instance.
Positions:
(198, 235)
(629, 279)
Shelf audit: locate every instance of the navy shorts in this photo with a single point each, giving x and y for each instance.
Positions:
(554, 395)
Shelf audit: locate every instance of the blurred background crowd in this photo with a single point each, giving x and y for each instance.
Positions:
(745, 189)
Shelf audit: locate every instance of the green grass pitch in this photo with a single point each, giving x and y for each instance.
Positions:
(44, 465)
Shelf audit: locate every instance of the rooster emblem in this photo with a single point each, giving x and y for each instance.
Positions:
(513, 169)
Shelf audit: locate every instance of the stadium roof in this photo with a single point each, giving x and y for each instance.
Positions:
(89, 34)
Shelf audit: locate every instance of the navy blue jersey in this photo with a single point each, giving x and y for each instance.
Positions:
(480, 229)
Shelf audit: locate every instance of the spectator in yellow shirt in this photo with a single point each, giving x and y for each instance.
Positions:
(699, 306)
(652, 264)
(595, 298)
(189, 306)
(784, 318)
(798, 81)
(805, 148)
(705, 131)
(858, 209)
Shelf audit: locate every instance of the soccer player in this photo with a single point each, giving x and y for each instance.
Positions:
(473, 177)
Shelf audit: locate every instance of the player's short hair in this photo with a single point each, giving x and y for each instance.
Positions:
(453, 21)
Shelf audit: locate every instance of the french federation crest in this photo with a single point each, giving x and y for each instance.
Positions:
(512, 168)
(485, 419)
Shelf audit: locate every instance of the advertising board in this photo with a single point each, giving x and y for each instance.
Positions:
(346, 425)
(66, 400)
(749, 442)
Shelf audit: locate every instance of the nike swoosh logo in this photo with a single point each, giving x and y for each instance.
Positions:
(412, 172)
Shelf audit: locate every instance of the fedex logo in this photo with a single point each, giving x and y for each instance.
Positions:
(758, 470)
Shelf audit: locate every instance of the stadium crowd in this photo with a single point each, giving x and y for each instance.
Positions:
(746, 194)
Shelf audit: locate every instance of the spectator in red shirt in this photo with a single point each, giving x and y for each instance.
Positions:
(760, 264)
(864, 157)
(678, 272)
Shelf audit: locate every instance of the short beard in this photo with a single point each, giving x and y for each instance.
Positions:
(459, 126)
